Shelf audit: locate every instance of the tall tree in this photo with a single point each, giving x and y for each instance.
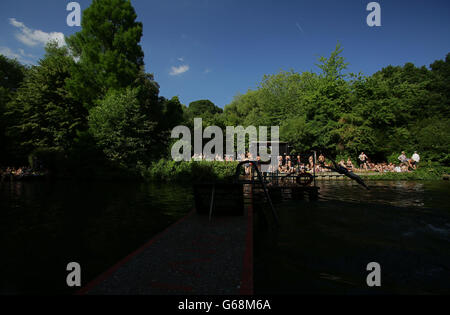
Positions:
(11, 76)
(44, 114)
(108, 49)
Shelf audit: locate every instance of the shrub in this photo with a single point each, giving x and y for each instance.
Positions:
(197, 171)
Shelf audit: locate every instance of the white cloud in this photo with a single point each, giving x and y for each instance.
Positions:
(32, 37)
(179, 70)
(20, 55)
(207, 70)
(181, 59)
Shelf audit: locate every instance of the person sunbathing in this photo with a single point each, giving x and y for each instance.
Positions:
(349, 164)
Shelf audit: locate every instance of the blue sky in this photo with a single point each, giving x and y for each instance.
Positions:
(214, 49)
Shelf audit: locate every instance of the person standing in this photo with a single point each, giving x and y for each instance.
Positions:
(363, 160)
(415, 159)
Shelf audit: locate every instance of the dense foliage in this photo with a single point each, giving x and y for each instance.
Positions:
(91, 108)
(108, 49)
(89, 105)
(193, 171)
(11, 76)
(396, 109)
(43, 114)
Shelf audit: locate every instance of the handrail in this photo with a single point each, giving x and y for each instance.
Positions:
(254, 165)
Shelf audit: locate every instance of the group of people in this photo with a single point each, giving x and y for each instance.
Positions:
(405, 164)
(300, 164)
(18, 173)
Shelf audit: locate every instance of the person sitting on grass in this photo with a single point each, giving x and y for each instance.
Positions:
(321, 159)
(405, 168)
(311, 162)
(402, 158)
(349, 164)
(297, 162)
(288, 162)
(390, 167)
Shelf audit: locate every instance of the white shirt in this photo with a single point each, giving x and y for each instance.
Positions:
(403, 158)
(416, 157)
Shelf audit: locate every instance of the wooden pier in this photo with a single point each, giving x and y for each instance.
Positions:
(195, 256)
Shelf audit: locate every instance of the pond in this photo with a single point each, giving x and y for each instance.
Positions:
(325, 247)
(320, 247)
(46, 225)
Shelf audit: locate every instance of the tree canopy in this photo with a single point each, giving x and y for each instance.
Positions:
(398, 108)
(93, 101)
(107, 48)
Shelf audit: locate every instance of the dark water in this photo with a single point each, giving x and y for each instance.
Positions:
(324, 247)
(321, 247)
(46, 225)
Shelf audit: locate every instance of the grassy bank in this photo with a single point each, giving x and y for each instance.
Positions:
(426, 172)
(193, 171)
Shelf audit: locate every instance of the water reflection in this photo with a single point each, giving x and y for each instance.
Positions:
(396, 193)
(324, 247)
(48, 224)
(321, 247)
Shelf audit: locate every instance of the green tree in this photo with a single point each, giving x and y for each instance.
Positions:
(43, 113)
(122, 129)
(398, 108)
(204, 109)
(439, 87)
(108, 49)
(172, 113)
(11, 76)
(334, 66)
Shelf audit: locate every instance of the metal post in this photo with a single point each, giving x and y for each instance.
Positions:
(212, 201)
(314, 165)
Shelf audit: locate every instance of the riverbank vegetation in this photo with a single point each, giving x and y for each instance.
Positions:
(90, 108)
(192, 171)
(428, 171)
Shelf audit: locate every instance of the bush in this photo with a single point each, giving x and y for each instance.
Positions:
(122, 129)
(197, 171)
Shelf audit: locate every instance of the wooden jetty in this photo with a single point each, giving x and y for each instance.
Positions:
(195, 256)
(205, 253)
(208, 252)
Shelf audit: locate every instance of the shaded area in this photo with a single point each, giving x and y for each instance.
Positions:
(324, 247)
(46, 225)
(194, 256)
